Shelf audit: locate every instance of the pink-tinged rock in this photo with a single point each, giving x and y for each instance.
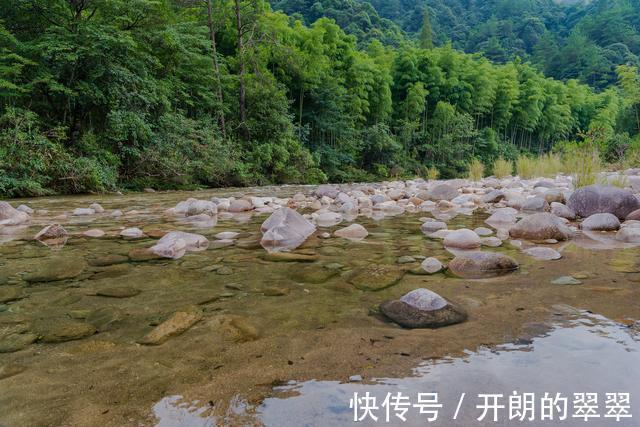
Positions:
(176, 243)
(192, 207)
(11, 216)
(94, 233)
(240, 205)
(285, 230)
(352, 232)
(462, 239)
(132, 233)
(50, 232)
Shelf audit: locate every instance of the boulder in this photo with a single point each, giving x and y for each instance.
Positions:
(543, 254)
(493, 196)
(628, 235)
(192, 207)
(601, 222)
(433, 226)
(176, 243)
(502, 216)
(462, 239)
(422, 308)
(475, 265)
(594, 199)
(326, 191)
(96, 207)
(352, 232)
(240, 205)
(11, 216)
(328, 219)
(535, 204)
(562, 211)
(132, 233)
(51, 232)
(285, 230)
(442, 192)
(431, 265)
(540, 226)
(634, 216)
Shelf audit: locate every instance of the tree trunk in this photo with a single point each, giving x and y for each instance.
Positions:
(244, 132)
(216, 67)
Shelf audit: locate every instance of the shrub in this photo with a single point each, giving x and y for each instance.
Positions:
(525, 167)
(433, 173)
(502, 168)
(476, 170)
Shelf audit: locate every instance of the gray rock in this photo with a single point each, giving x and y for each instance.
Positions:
(431, 265)
(462, 239)
(422, 308)
(240, 205)
(594, 199)
(433, 226)
(11, 216)
(562, 211)
(493, 196)
(566, 280)
(352, 232)
(543, 254)
(535, 204)
(601, 222)
(326, 190)
(442, 192)
(541, 226)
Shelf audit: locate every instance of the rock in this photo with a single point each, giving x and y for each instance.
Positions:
(492, 242)
(376, 277)
(237, 328)
(132, 233)
(83, 212)
(175, 243)
(462, 239)
(107, 260)
(544, 184)
(475, 265)
(405, 259)
(422, 308)
(118, 292)
(240, 205)
(10, 293)
(441, 192)
(26, 209)
(502, 216)
(628, 235)
(11, 216)
(175, 325)
(275, 292)
(562, 211)
(104, 318)
(57, 331)
(17, 342)
(566, 280)
(285, 230)
(594, 199)
(116, 213)
(96, 207)
(328, 219)
(353, 232)
(493, 196)
(601, 222)
(433, 226)
(483, 231)
(143, 254)
(55, 269)
(51, 232)
(535, 204)
(326, 191)
(634, 216)
(227, 235)
(540, 226)
(543, 254)
(193, 207)
(554, 196)
(94, 233)
(431, 265)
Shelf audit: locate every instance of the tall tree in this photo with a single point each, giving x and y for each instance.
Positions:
(426, 32)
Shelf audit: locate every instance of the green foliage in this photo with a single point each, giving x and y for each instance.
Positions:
(525, 167)
(433, 173)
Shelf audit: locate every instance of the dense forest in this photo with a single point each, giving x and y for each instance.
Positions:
(97, 95)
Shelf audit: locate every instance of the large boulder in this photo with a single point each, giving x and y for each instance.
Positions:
(422, 308)
(493, 196)
(442, 192)
(504, 216)
(541, 226)
(285, 230)
(634, 216)
(11, 216)
(326, 190)
(594, 199)
(476, 264)
(562, 211)
(601, 222)
(462, 239)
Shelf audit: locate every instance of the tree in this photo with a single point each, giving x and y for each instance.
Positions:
(426, 33)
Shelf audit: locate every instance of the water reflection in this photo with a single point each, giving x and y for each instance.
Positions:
(586, 353)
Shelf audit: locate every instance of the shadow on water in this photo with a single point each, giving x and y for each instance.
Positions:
(584, 353)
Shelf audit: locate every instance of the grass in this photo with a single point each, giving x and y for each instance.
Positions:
(525, 167)
(476, 170)
(502, 168)
(433, 173)
(548, 165)
(584, 165)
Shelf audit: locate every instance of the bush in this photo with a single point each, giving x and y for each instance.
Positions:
(476, 170)
(433, 173)
(502, 168)
(525, 167)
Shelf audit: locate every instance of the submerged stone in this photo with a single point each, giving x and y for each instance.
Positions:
(285, 230)
(376, 277)
(56, 269)
(541, 226)
(118, 292)
(16, 342)
(175, 325)
(475, 265)
(543, 254)
(422, 308)
(566, 280)
(66, 330)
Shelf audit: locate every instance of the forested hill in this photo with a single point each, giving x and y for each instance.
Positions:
(575, 39)
(99, 95)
